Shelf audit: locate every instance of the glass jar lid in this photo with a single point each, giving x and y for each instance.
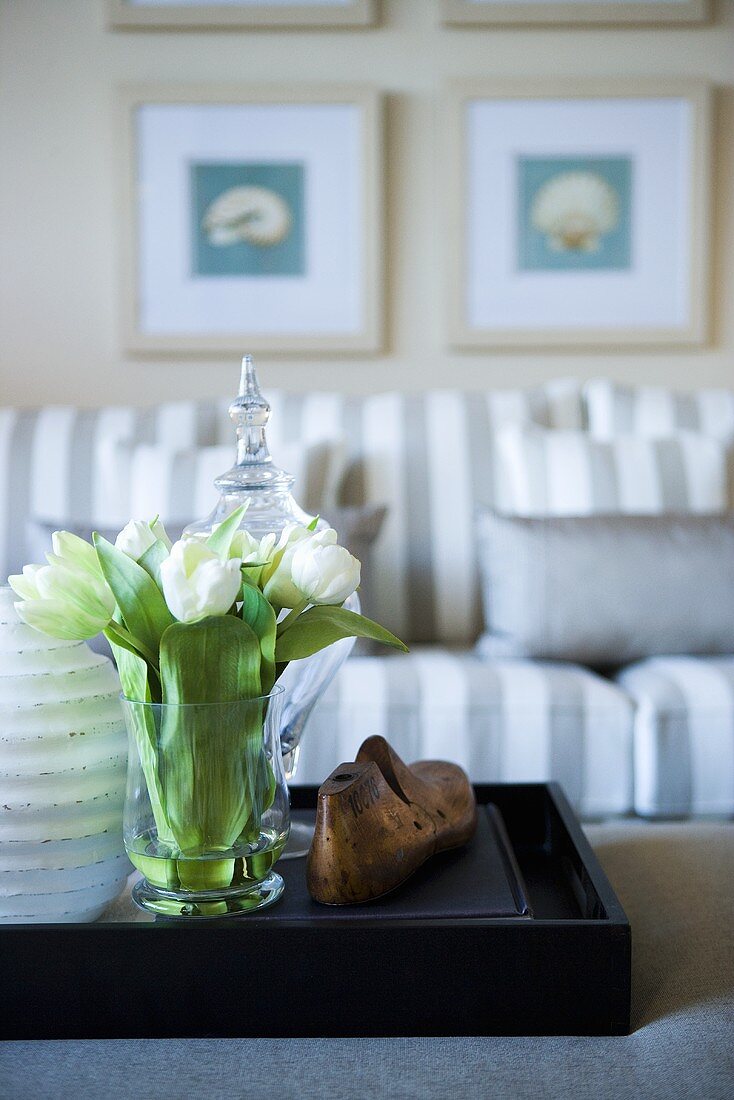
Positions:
(254, 478)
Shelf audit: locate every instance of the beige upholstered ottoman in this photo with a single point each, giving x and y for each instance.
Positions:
(676, 882)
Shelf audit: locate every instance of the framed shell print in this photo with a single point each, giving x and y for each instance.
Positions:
(220, 14)
(565, 12)
(253, 219)
(579, 213)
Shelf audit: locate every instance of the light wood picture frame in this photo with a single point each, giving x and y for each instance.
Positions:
(579, 213)
(252, 218)
(252, 15)
(479, 13)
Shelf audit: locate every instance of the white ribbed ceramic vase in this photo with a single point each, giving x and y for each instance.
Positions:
(63, 759)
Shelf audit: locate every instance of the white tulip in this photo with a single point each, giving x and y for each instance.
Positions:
(197, 583)
(75, 553)
(253, 552)
(325, 573)
(250, 549)
(24, 584)
(138, 535)
(276, 580)
(68, 598)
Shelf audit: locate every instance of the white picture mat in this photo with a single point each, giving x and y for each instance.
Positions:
(327, 139)
(654, 293)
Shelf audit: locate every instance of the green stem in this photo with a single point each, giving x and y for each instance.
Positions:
(291, 617)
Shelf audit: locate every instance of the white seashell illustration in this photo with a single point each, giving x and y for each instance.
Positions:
(574, 210)
(256, 215)
(63, 760)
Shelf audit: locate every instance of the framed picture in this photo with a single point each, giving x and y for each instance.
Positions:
(220, 14)
(565, 12)
(579, 213)
(253, 219)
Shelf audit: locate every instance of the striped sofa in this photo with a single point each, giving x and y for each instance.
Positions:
(430, 458)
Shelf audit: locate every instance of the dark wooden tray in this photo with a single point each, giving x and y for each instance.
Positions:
(565, 970)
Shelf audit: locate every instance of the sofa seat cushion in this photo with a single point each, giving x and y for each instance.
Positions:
(683, 735)
(503, 721)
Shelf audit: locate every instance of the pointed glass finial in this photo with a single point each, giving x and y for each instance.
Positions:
(254, 477)
(250, 413)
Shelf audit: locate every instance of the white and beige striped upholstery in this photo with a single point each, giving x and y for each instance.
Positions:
(656, 412)
(177, 484)
(55, 461)
(565, 473)
(413, 454)
(510, 721)
(683, 735)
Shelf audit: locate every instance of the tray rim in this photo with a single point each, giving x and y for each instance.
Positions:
(304, 797)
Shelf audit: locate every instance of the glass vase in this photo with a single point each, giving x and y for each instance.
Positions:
(206, 809)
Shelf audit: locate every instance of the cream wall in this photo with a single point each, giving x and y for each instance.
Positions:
(59, 67)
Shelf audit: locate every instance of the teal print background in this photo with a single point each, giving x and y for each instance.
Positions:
(287, 257)
(534, 252)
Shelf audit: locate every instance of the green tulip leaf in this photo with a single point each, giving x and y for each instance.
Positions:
(116, 634)
(258, 613)
(213, 777)
(321, 626)
(216, 660)
(132, 669)
(134, 678)
(152, 558)
(142, 606)
(220, 540)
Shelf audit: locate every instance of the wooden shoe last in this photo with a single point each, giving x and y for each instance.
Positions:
(378, 820)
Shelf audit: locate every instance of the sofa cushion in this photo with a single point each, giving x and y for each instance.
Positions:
(395, 454)
(683, 735)
(547, 473)
(607, 590)
(428, 457)
(177, 483)
(50, 461)
(509, 721)
(656, 411)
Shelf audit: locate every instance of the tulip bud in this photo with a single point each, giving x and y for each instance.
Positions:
(325, 573)
(24, 584)
(252, 552)
(68, 598)
(276, 580)
(197, 583)
(75, 553)
(138, 535)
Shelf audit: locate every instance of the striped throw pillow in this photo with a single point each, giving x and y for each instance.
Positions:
(148, 479)
(656, 412)
(428, 457)
(51, 460)
(547, 473)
